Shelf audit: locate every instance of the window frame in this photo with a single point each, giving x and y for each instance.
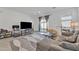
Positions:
(43, 28)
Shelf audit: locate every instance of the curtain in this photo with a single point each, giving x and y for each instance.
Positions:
(39, 22)
(47, 17)
(40, 18)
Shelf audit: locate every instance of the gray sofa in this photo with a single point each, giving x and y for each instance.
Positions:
(63, 43)
(60, 44)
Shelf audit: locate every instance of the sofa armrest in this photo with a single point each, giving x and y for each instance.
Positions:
(57, 48)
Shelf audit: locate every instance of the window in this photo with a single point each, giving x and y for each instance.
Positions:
(66, 24)
(43, 25)
(66, 21)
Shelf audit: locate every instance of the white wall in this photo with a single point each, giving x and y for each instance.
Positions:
(9, 18)
(36, 23)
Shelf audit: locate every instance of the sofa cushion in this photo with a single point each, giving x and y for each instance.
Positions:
(73, 38)
(43, 45)
(78, 39)
(57, 48)
(71, 46)
(13, 47)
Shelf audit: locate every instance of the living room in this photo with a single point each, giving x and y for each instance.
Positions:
(49, 23)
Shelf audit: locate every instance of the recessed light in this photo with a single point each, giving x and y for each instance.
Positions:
(39, 12)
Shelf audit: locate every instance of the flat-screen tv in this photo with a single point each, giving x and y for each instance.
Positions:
(15, 26)
(26, 25)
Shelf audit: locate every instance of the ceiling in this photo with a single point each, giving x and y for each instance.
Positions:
(37, 11)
